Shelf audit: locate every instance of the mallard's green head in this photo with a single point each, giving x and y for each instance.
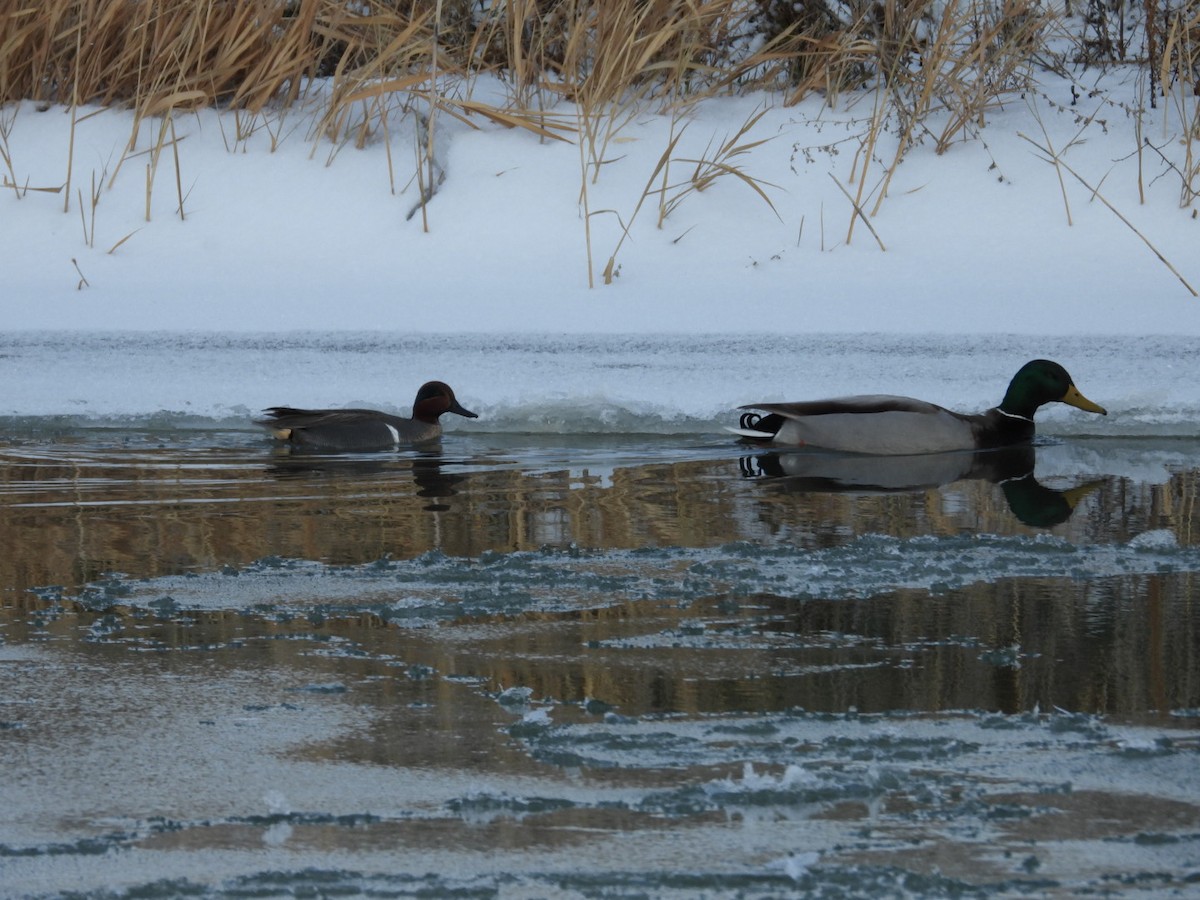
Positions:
(1042, 381)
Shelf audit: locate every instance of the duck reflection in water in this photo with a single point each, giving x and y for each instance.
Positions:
(426, 469)
(1012, 468)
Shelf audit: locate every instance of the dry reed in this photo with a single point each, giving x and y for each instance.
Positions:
(1179, 76)
(1056, 159)
(164, 55)
(607, 57)
(940, 69)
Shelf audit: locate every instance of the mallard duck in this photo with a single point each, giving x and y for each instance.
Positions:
(365, 429)
(886, 425)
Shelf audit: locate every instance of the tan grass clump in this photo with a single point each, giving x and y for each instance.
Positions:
(1179, 75)
(158, 55)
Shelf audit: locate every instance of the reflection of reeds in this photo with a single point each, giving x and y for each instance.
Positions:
(78, 520)
(92, 517)
(1120, 646)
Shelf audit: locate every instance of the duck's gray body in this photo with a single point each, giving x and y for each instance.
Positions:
(878, 424)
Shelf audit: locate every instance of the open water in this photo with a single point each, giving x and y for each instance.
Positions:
(594, 665)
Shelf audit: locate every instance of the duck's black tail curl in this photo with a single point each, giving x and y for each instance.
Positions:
(767, 425)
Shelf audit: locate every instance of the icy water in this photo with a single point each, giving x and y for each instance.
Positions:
(605, 666)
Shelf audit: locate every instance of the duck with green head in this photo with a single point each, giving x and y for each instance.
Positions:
(887, 425)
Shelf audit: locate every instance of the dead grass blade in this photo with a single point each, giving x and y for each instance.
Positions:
(647, 191)
(551, 127)
(710, 167)
(1095, 192)
(858, 211)
(113, 248)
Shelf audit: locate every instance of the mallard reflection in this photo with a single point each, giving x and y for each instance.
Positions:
(1012, 468)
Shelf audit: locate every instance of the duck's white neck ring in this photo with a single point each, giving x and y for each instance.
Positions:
(1013, 415)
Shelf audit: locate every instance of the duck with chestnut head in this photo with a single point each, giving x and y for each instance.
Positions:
(365, 429)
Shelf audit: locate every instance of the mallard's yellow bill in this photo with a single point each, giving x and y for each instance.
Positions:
(1073, 398)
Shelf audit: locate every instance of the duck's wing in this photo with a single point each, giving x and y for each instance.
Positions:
(878, 424)
(772, 415)
(292, 417)
(344, 429)
(863, 404)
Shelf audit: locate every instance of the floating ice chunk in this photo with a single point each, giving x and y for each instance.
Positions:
(1138, 744)
(1159, 539)
(277, 835)
(536, 717)
(793, 776)
(277, 804)
(515, 696)
(796, 865)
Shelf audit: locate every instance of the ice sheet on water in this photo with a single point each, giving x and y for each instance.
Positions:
(435, 587)
(799, 752)
(651, 384)
(878, 783)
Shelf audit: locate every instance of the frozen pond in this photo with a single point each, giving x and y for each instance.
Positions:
(549, 661)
